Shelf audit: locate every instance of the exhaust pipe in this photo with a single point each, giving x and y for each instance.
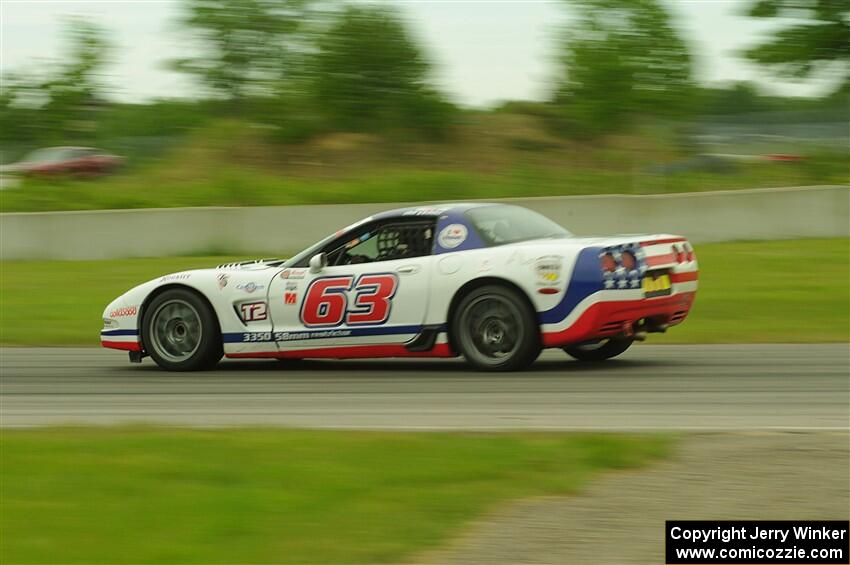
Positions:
(629, 331)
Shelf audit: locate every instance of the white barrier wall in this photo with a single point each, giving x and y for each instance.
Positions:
(779, 213)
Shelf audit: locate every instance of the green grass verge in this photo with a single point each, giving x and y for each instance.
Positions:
(148, 495)
(232, 163)
(233, 186)
(782, 291)
(61, 302)
(792, 291)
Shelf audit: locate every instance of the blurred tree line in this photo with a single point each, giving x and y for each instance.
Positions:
(64, 100)
(304, 67)
(620, 61)
(815, 44)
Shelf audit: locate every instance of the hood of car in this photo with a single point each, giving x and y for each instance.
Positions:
(252, 265)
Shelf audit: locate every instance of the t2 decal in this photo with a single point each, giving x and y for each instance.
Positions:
(253, 311)
(326, 302)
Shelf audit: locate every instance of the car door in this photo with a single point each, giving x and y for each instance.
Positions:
(373, 291)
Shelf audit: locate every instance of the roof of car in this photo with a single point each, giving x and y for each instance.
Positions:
(432, 210)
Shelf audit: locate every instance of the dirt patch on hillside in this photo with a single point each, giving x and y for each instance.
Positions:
(620, 518)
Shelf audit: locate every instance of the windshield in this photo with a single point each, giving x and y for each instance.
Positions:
(46, 155)
(304, 256)
(500, 224)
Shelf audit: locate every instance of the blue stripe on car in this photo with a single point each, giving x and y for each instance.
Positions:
(301, 335)
(586, 280)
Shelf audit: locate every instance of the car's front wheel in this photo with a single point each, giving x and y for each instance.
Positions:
(180, 332)
(495, 329)
(601, 350)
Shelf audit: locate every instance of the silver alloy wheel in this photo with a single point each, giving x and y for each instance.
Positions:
(492, 324)
(176, 330)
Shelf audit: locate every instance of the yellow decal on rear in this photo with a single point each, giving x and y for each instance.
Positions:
(656, 284)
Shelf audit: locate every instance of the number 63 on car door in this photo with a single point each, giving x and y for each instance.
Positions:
(337, 300)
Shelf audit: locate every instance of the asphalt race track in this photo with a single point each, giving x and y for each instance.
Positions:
(706, 387)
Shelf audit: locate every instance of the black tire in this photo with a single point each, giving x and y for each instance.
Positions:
(495, 329)
(180, 332)
(286, 362)
(600, 352)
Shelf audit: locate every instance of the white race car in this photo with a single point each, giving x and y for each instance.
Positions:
(492, 282)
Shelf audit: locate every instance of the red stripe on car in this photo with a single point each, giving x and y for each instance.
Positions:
(655, 260)
(684, 277)
(590, 324)
(125, 345)
(661, 241)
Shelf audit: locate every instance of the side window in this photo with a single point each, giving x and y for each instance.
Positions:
(384, 243)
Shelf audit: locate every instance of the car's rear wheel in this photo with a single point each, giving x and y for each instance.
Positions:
(601, 350)
(495, 329)
(180, 332)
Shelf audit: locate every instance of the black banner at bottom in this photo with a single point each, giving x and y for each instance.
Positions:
(768, 542)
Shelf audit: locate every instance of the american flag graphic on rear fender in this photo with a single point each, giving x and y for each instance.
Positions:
(630, 268)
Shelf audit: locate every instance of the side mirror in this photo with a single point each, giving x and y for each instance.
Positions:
(318, 262)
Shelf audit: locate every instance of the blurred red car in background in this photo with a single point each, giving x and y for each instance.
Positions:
(65, 161)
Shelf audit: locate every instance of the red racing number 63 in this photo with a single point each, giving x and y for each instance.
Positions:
(326, 300)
